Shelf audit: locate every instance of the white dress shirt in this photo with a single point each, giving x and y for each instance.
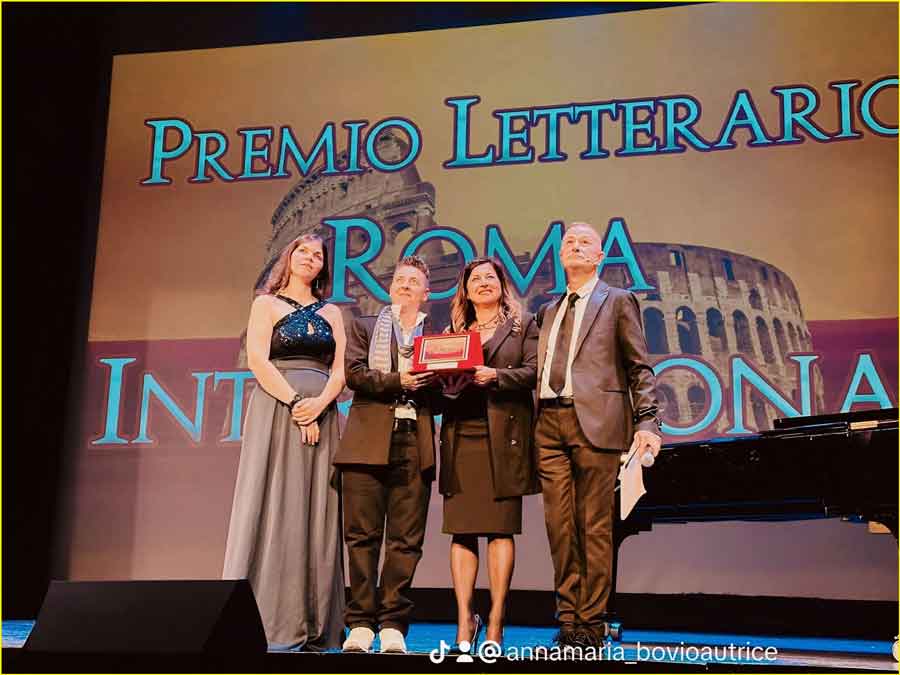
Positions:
(584, 295)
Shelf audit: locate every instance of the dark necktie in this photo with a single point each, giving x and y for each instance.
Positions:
(561, 352)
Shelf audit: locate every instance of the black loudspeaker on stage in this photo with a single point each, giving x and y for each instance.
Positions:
(148, 617)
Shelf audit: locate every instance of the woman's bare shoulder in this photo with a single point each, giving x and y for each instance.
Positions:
(263, 305)
(332, 313)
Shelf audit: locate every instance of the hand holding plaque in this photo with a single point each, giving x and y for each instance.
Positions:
(447, 352)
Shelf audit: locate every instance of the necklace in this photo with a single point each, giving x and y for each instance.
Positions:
(493, 322)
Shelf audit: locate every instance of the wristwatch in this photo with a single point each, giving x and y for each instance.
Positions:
(294, 401)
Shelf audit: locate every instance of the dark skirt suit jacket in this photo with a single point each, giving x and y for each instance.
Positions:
(370, 423)
(510, 413)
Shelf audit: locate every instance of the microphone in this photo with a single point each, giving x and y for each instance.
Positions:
(647, 459)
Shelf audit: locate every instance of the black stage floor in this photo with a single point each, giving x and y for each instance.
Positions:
(19, 661)
(527, 649)
(661, 634)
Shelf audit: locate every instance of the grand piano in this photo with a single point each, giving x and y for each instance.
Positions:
(825, 466)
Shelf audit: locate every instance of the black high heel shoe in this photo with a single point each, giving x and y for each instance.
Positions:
(473, 643)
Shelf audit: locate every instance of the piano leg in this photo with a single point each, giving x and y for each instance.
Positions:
(621, 531)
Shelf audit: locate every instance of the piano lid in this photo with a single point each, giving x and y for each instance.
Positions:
(847, 418)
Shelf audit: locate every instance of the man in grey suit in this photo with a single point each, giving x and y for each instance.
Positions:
(596, 392)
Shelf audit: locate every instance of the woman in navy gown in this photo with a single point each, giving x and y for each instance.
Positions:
(284, 534)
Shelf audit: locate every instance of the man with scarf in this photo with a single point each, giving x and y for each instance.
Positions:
(386, 458)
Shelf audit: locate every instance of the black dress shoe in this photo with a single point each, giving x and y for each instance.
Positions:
(564, 637)
(587, 636)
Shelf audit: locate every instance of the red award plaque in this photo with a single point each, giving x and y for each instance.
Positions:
(447, 352)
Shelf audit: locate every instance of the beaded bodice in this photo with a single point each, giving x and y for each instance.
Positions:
(303, 332)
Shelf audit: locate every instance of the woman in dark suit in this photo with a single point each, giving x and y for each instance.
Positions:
(487, 457)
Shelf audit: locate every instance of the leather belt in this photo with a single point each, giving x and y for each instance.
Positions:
(559, 402)
(405, 426)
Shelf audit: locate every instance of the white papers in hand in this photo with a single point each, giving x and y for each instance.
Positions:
(631, 482)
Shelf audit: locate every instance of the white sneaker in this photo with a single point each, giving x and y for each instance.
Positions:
(359, 640)
(392, 641)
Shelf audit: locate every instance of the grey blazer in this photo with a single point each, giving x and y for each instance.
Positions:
(612, 381)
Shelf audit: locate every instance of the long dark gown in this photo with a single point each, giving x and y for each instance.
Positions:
(284, 534)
